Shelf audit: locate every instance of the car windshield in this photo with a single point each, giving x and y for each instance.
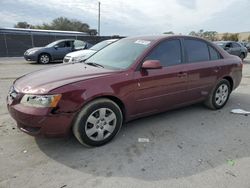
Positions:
(101, 45)
(121, 54)
(52, 44)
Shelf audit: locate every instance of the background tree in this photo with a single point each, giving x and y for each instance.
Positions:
(24, 25)
(225, 36)
(61, 23)
(230, 37)
(248, 38)
(210, 35)
(169, 33)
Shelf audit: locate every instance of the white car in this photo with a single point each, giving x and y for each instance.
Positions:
(82, 55)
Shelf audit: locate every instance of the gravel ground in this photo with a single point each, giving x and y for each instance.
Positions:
(189, 147)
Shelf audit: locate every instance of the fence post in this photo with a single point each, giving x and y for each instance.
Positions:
(6, 45)
(32, 40)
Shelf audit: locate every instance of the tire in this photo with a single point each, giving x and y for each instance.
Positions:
(219, 95)
(44, 58)
(242, 56)
(98, 122)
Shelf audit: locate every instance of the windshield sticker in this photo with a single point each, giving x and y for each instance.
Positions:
(144, 42)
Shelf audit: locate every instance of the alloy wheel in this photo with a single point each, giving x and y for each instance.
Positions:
(221, 95)
(100, 124)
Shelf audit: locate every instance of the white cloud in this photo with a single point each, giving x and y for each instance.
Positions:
(129, 17)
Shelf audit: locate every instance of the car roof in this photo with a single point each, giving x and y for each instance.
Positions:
(62, 40)
(162, 37)
(111, 40)
(224, 41)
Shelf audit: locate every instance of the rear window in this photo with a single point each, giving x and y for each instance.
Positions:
(196, 50)
(79, 44)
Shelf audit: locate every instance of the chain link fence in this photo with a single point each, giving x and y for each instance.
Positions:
(15, 44)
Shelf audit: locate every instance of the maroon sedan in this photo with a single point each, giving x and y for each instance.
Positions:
(131, 78)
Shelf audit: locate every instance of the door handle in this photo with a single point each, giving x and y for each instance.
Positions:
(182, 74)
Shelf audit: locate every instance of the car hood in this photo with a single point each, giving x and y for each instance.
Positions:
(81, 53)
(45, 80)
(32, 49)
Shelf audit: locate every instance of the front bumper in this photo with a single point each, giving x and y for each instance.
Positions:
(41, 122)
(30, 57)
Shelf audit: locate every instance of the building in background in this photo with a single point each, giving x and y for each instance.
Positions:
(243, 36)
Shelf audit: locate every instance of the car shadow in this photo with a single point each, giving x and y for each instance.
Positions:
(51, 63)
(181, 143)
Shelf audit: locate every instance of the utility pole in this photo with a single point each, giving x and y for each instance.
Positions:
(99, 18)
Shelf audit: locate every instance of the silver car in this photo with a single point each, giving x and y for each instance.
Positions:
(82, 55)
(233, 48)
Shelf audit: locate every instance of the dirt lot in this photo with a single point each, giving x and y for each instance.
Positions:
(189, 147)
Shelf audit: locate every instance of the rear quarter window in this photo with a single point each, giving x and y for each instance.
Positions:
(214, 54)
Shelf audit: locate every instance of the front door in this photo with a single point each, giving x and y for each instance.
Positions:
(165, 88)
(62, 49)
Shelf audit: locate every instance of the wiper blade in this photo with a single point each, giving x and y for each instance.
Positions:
(94, 64)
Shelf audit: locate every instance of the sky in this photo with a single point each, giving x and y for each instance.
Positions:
(134, 17)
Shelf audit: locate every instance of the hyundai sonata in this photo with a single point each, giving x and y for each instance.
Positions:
(132, 78)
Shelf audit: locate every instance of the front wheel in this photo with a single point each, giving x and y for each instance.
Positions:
(44, 59)
(219, 96)
(98, 122)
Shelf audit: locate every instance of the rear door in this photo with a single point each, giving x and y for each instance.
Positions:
(236, 49)
(160, 89)
(202, 66)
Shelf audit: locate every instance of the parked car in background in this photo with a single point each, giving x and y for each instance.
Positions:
(55, 50)
(248, 47)
(233, 48)
(82, 55)
(246, 44)
(132, 78)
(243, 43)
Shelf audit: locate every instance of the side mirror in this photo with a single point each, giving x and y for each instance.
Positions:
(56, 47)
(151, 64)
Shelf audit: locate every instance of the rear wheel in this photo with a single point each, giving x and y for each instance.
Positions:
(98, 122)
(44, 58)
(219, 96)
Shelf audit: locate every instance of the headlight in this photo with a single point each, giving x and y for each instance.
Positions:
(41, 101)
(32, 52)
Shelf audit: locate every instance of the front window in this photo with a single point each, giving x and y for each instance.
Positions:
(167, 52)
(121, 54)
(52, 44)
